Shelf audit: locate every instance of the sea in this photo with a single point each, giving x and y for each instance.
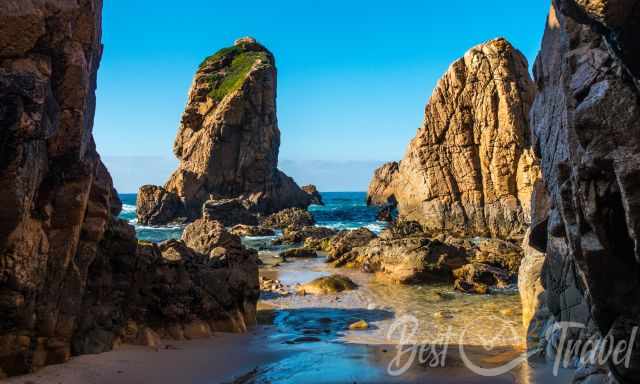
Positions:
(342, 210)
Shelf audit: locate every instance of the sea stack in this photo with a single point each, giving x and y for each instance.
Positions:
(586, 123)
(227, 142)
(470, 169)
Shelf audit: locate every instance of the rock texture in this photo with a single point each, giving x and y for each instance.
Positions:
(157, 206)
(382, 188)
(470, 168)
(403, 253)
(228, 140)
(312, 191)
(586, 122)
(73, 278)
(291, 218)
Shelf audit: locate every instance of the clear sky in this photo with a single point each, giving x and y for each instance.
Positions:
(353, 76)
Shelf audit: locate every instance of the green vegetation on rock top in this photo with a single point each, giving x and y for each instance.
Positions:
(236, 73)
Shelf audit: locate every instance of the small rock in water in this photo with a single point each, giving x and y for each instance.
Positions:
(359, 325)
(445, 295)
(506, 312)
(328, 285)
(304, 339)
(443, 315)
(371, 306)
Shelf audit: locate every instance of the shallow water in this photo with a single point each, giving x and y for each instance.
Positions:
(311, 334)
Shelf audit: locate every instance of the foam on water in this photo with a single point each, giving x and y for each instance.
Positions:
(342, 210)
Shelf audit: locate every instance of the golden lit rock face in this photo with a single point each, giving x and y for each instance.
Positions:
(470, 170)
(228, 140)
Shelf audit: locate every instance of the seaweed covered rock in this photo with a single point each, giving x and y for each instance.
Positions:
(228, 139)
(328, 285)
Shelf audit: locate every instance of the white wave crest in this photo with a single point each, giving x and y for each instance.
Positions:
(126, 208)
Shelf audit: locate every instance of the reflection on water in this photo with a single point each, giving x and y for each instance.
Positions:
(462, 318)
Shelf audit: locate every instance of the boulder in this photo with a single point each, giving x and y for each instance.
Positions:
(250, 230)
(405, 260)
(346, 240)
(478, 274)
(209, 237)
(498, 253)
(294, 235)
(313, 193)
(228, 140)
(156, 206)
(298, 253)
(229, 212)
(292, 218)
(470, 169)
(328, 285)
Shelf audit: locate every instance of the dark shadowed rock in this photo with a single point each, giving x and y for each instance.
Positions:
(228, 212)
(586, 123)
(312, 191)
(73, 278)
(157, 206)
(298, 253)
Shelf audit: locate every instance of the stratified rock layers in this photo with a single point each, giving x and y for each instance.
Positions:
(228, 140)
(73, 278)
(586, 123)
(470, 169)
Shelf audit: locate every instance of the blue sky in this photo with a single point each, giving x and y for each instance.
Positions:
(353, 76)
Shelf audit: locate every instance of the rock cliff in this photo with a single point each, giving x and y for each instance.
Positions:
(586, 123)
(470, 168)
(228, 141)
(73, 278)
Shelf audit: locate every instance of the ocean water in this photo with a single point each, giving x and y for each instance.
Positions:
(342, 210)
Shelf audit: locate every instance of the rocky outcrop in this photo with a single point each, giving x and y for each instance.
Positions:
(291, 218)
(382, 188)
(312, 191)
(403, 253)
(248, 230)
(228, 140)
(346, 240)
(470, 169)
(228, 212)
(157, 206)
(73, 278)
(586, 123)
(299, 235)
